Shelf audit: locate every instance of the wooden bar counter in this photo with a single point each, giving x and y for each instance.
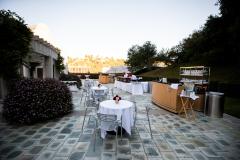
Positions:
(168, 98)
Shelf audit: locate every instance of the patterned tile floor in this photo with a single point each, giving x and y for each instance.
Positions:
(173, 137)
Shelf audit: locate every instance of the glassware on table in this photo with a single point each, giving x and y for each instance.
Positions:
(116, 101)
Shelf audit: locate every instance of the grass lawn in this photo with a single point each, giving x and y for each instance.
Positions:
(232, 106)
(169, 72)
(221, 74)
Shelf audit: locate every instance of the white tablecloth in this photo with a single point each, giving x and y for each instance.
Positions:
(145, 86)
(124, 109)
(99, 88)
(136, 88)
(73, 88)
(103, 91)
(71, 85)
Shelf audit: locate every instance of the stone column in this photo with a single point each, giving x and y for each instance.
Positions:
(48, 68)
(56, 72)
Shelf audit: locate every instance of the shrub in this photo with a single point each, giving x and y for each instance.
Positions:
(143, 70)
(71, 77)
(34, 100)
(91, 75)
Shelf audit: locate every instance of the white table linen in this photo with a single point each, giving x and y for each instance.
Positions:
(73, 88)
(98, 92)
(136, 88)
(124, 109)
(71, 85)
(145, 86)
(99, 88)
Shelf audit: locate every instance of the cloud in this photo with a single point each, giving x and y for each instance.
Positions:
(43, 31)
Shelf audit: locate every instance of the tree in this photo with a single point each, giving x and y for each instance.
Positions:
(167, 56)
(141, 56)
(59, 63)
(134, 59)
(230, 17)
(217, 43)
(15, 38)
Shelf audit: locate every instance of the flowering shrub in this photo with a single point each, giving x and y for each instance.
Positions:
(71, 77)
(35, 100)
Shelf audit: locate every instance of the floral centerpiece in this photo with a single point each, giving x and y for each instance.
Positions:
(117, 99)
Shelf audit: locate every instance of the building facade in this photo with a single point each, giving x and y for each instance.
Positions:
(92, 64)
(40, 62)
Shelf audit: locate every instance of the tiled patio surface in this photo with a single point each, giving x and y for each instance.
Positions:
(173, 137)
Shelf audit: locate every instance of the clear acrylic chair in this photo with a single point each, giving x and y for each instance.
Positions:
(132, 99)
(84, 93)
(148, 108)
(106, 122)
(89, 104)
(110, 93)
(135, 112)
(99, 95)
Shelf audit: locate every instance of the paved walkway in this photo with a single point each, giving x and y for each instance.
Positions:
(173, 137)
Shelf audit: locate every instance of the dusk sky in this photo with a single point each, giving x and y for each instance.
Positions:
(111, 27)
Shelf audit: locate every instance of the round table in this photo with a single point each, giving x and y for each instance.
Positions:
(99, 88)
(124, 110)
(99, 92)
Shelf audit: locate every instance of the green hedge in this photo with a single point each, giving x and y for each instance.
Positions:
(33, 100)
(91, 75)
(71, 77)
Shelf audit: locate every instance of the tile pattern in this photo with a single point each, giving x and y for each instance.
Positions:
(173, 137)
